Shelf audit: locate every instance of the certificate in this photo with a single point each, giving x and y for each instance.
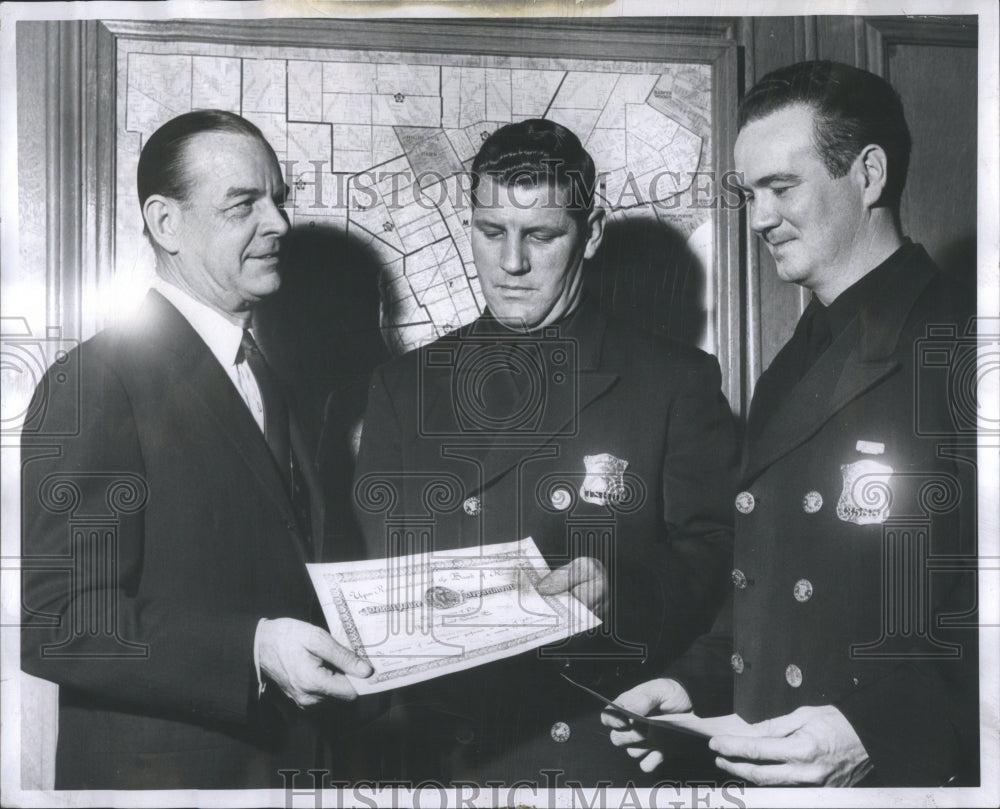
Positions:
(417, 617)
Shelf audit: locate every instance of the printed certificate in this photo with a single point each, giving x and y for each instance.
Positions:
(418, 617)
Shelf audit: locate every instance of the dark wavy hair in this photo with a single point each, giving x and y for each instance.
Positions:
(538, 152)
(852, 108)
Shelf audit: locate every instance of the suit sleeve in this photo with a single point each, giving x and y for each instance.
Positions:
(704, 669)
(687, 576)
(88, 623)
(377, 472)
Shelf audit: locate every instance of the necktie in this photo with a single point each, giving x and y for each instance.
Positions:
(275, 410)
(818, 335)
(277, 433)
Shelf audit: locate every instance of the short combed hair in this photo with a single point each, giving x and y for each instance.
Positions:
(162, 160)
(852, 108)
(538, 152)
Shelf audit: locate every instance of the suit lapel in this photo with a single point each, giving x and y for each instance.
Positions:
(861, 356)
(206, 383)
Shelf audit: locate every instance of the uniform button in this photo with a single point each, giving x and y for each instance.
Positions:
(812, 502)
(793, 675)
(736, 661)
(803, 590)
(561, 498)
(739, 579)
(745, 502)
(465, 734)
(472, 506)
(560, 732)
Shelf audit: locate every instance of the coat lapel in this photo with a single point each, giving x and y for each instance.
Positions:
(586, 330)
(861, 356)
(206, 383)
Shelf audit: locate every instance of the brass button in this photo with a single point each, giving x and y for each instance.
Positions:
(793, 675)
(560, 732)
(812, 502)
(739, 579)
(803, 590)
(472, 506)
(736, 661)
(745, 502)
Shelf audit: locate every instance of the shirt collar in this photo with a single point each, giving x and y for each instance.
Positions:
(222, 337)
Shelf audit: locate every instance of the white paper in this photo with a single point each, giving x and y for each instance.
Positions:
(417, 617)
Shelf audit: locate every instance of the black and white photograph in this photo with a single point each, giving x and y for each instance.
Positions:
(581, 403)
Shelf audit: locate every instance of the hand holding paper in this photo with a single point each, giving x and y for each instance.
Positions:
(306, 663)
(421, 616)
(654, 697)
(585, 578)
(813, 745)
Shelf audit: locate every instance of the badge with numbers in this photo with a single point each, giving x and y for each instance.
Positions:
(867, 496)
(604, 483)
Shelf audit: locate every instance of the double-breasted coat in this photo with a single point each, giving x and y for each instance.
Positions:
(855, 539)
(595, 440)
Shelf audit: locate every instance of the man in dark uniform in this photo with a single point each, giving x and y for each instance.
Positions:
(856, 656)
(545, 418)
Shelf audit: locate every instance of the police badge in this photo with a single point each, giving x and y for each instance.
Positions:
(604, 483)
(867, 496)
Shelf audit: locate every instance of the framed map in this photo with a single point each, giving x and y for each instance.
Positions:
(376, 124)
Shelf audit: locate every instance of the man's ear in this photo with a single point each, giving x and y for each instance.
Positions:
(162, 215)
(872, 168)
(595, 232)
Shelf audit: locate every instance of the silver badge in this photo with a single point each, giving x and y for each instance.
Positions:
(866, 497)
(604, 484)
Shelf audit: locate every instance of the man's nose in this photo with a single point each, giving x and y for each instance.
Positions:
(763, 215)
(275, 219)
(513, 259)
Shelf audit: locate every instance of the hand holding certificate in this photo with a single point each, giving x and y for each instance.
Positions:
(418, 617)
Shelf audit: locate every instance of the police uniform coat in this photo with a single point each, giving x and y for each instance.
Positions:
(855, 542)
(584, 394)
(157, 532)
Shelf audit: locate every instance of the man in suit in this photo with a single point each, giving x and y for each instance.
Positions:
(165, 536)
(546, 418)
(850, 641)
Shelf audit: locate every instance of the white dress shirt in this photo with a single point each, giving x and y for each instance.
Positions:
(223, 339)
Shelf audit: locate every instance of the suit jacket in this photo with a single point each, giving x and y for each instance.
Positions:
(593, 387)
(855, 550)
(157, 532)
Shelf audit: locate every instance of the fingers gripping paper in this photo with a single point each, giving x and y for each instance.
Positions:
(417, 617)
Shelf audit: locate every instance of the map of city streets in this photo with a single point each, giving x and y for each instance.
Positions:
(379, 145)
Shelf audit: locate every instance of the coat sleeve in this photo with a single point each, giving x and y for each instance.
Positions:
(686, 577)
(377, 481)
(89, 623)
(704, 669)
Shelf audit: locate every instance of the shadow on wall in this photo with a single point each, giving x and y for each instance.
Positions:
(645, 273)
(958, 259)
(321, 333)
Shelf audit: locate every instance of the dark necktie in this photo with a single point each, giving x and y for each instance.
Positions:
(818, 335)
(275, 410)
(277, 432)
